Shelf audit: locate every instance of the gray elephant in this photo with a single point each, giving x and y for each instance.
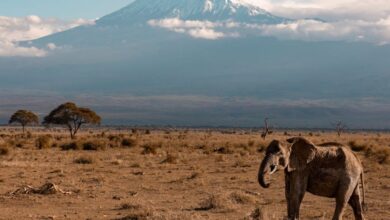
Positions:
(328, 170)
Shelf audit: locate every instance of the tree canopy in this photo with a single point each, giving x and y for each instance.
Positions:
(24, 117)
(72, 116)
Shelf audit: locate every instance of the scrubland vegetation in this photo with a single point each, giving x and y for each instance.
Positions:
(112, 173)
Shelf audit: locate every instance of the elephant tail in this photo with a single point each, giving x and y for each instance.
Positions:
(364, 205)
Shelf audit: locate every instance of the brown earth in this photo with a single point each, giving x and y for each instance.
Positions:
(168, 175)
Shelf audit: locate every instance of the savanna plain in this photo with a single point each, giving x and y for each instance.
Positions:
(112, 173)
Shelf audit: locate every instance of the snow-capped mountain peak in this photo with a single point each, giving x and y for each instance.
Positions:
(213, 10)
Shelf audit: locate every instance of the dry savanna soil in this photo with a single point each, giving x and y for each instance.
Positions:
(166, 174)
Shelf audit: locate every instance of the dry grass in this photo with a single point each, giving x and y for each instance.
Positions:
(169, 174)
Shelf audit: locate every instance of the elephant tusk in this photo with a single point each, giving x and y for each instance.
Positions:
(274, 168)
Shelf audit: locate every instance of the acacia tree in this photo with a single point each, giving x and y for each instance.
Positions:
(340, 127)
(266, 129)
(24, 118)
(72, 117)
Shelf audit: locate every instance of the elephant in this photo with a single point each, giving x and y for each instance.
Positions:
(328, 170)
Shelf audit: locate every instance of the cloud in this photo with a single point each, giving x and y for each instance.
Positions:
(377, 32)
(195, 28)
(330, 10)
(15, 29)
(8, 48)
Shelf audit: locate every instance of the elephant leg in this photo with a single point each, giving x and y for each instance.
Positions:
(355, 203)
(297, 191)
(287, 191)
(344, 194)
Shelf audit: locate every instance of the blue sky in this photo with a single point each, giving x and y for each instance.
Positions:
(62, 9)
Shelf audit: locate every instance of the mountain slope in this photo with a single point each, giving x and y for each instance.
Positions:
(123, 56)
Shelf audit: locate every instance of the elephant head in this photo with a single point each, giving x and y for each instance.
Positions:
(276, 157)
(291, 157)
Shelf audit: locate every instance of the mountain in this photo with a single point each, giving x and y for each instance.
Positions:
(132, 21)
(135, 72)
(212, 10)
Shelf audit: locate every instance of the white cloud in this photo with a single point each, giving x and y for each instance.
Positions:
(8, 48)
(195, 28)
(329, 10)
(51, 46)
(377, 32)
(15, 29)
(206, 33)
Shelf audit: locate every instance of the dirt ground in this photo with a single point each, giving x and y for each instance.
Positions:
(170, 175)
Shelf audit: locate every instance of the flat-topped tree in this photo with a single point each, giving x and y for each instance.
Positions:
(72, 117)
(24, 117)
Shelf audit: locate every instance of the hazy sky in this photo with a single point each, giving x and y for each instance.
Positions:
(91, 9)
(62, 9)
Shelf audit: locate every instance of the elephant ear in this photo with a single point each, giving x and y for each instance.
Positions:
(302, 152)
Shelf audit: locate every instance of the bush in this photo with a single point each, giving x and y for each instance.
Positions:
(223, 150)
(251, 143)
(128, 142)
(357, 147)
(151, 148)
(170, 159)
(84, 160)
(71, 146)
(4, 150)
(43, 142)
(383, 156)
(94, 145)
(114, 138)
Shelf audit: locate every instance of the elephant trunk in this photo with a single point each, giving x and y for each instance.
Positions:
(264, 168)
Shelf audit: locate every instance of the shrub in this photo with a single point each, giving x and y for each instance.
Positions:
(71, 146)
(151, 148)
(223, 150)
(115, 138)
(170, 159)
(207, 204)
(19, 144)
(357, 147)
(239, 198)
(381, 155)
(4, 150)
(94, 145)
(251, 143)
(43, 142)
(29, 135)
(128, 142)
(84, 160)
